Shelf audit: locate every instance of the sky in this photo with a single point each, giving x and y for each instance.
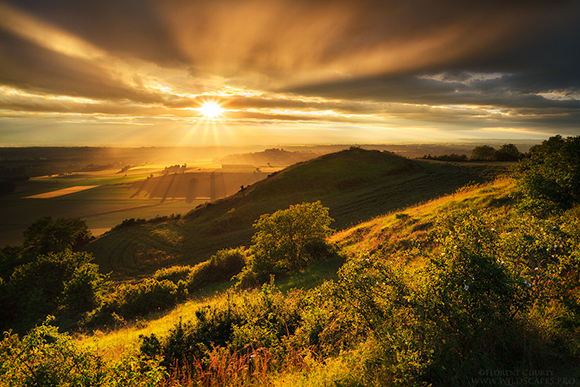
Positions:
(138, 72)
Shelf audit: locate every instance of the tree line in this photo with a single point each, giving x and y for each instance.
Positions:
(506, 152)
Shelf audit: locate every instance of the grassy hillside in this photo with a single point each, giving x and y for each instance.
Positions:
(448, 292)
(355, 184)
(472, 288)
(381, 235)
(356, 330)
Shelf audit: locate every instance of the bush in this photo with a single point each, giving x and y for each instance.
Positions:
(173, 273)
(84, 291)
(52, 282)
(440, 323)
(220, 267)
(148, 296)
(45, 235)
(549, 179)
(260, 321)
(45, 357)
(289, 240)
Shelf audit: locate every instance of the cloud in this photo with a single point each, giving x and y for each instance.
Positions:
(446, 63)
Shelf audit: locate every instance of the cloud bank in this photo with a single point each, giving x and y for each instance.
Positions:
(368, 68)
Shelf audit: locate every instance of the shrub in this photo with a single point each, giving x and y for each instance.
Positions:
(45, 357)
(64, 280)
(130, 301)
(441, 322)
(46, 235)
(173, 273)
(289, 240)
(220, 267)
(263, 320)
(549, 179)
(84, 291)
(148, 296)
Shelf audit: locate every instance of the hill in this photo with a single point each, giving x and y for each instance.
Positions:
(269, 157)
(476, 287)
(432, 293)
(356, 184)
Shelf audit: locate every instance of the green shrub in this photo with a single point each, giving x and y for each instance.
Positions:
(46, 235)
(440, 323)
(45, 357)
(263, 320)
(84, 291)
(149, 296)
(173, 273)
(55, 281)
(549, 179)
(220, 267)
(130, 301)
(288, 240)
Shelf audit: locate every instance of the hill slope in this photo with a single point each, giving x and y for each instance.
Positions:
(355, 184)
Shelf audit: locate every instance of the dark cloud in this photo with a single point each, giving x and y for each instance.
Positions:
(365, 57)
(35, 68)
(123, 27)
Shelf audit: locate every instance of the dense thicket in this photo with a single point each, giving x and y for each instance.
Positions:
(549, 178)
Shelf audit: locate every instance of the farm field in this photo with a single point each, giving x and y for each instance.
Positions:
(105, 198)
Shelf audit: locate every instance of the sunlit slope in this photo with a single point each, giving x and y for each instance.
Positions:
(401, 230)
(355, 184)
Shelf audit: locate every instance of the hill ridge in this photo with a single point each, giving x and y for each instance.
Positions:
(356, 185)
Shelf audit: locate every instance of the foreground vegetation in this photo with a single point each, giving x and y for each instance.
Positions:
(479, 287)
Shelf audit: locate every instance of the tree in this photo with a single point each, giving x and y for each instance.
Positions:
(290, 239)
(64, 280)
(508, 152)
(483, 152)
(549, 179)
(46, 235)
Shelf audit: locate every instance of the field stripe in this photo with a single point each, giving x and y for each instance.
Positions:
(61, 192)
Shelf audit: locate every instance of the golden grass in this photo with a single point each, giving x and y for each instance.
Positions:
(365, 236)
(111, 344)
(373, 234)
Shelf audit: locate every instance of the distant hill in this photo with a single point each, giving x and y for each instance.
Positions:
(356, 184)
(269, 157)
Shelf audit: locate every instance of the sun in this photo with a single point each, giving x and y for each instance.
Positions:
(211, 109)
